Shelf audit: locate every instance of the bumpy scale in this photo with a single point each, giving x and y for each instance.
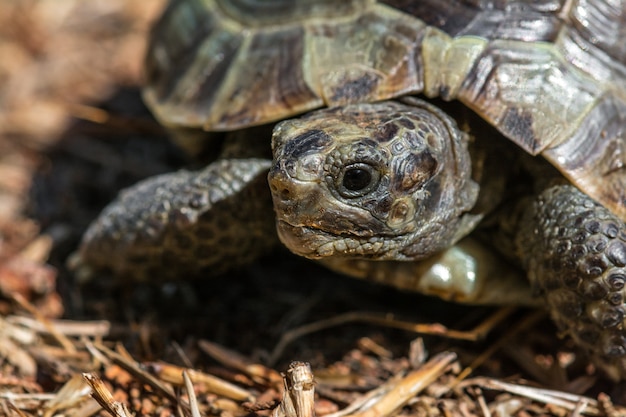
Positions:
(185, 224)
(417, 201)
(574, 250)
(391, 181)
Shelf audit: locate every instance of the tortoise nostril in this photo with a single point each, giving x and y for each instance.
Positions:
(280, 190)
(280, 185)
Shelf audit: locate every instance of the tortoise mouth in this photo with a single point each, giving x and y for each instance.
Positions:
(302, 240)
(319, 228)
(314, 242)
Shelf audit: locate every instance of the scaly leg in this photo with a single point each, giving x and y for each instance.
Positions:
(574, 250)
(185, 223)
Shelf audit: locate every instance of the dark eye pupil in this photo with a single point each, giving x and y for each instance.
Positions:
(355, 179)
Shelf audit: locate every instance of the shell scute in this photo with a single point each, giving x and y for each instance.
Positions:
(374, 57)
(531, 82)
(594, 156)
(550, 75)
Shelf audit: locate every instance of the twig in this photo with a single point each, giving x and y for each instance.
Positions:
(259, 373)
(131, 367)
(398, 392)
(193, 401)
(102, 395)
(527, 322)
(562, 399)
(174, 375)
(388, 321)
(299, 393)
(54, 332)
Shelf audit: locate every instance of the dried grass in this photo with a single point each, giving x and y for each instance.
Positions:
(57, 58)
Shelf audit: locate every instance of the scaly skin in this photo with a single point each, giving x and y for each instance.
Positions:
(574, 250)
(185, 224)
(387, 182)
(416, 203)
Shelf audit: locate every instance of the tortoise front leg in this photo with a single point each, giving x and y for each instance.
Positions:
(574, 250)
(185, 223)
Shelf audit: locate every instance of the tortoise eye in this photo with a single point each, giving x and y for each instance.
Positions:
(357, 180)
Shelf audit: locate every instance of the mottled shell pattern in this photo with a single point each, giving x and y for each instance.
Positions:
(549, 74)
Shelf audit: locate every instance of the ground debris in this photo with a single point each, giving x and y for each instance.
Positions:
(377, 385)
(70, 72)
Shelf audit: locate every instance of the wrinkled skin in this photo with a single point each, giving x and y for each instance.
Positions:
(376, 181)
(379, 191)
(392, 181)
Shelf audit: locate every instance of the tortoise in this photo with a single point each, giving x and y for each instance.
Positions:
(378, 169)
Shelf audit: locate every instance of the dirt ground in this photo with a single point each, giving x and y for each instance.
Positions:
(73, 131)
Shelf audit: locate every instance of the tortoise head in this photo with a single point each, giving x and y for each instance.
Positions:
(377, 181)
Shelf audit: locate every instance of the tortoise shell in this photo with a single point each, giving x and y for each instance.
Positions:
(549, 74)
